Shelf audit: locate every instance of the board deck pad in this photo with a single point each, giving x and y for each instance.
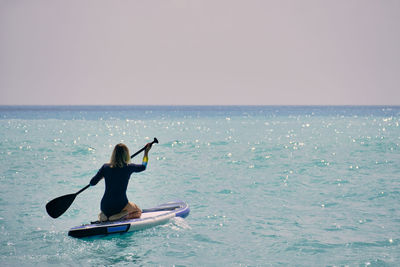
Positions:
(150, 217)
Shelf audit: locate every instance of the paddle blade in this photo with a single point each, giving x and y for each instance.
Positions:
(58, 206)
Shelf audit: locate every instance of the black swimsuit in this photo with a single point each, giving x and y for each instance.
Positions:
(117, 179)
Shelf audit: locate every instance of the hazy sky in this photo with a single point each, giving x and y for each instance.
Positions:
(200, 52)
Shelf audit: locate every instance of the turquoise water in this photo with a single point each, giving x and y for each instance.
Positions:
(267, 186)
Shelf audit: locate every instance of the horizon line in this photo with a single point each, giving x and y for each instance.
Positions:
(199, 105)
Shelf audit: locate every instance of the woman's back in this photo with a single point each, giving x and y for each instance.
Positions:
(116, 183)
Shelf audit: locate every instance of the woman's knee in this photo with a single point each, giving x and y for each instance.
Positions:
(132, 207)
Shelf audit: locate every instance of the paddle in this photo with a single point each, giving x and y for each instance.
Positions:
(58, 206)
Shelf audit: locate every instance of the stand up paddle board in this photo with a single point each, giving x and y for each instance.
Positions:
(150, 217)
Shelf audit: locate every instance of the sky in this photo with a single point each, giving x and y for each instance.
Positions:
(199, 52)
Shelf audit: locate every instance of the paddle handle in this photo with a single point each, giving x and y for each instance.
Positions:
(154, 141)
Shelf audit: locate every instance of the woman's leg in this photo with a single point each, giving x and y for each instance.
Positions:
(133, 210)
(118, 216)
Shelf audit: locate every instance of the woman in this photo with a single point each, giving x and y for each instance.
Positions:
(115, 204)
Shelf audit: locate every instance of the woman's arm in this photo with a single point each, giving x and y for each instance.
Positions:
(99, 175)
(146, 154)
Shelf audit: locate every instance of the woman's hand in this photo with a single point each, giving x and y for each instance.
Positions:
(148, 147)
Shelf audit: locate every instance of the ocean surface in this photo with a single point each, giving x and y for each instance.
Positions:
(267, 185)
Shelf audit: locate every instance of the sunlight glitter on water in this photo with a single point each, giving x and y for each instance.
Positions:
(282, 185)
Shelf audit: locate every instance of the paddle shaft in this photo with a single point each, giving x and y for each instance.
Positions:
(83, 189)
(154, 141)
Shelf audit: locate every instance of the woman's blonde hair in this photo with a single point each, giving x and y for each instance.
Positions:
(120, 156)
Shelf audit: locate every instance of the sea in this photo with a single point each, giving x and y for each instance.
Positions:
(267, 185)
